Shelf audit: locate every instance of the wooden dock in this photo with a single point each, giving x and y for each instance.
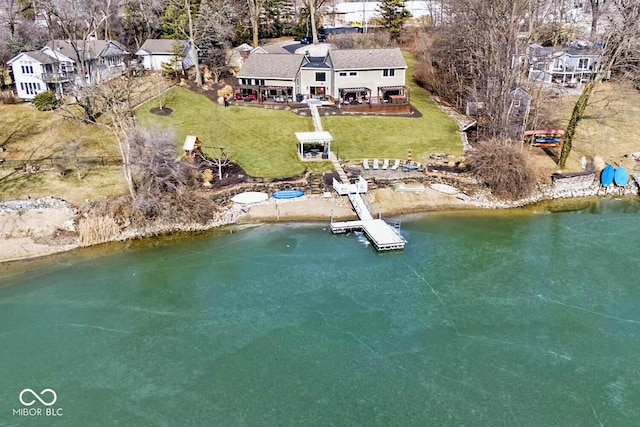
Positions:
(383, 236)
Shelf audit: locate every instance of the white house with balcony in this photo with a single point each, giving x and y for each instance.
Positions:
(63, 62)
(570, 66)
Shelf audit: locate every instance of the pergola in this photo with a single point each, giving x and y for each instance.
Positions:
(322, 138)
(355, 90)
(400, 89)
(285, 92)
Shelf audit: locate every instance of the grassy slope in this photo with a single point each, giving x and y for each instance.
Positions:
(29, 133)
(263, 142)
(610, 127)
(357, 137)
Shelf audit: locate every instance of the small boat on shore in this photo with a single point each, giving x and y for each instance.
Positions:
(413, 188)
(249, 197)
(287, 194)
(606, 177)
(621, 177)
(444, 188)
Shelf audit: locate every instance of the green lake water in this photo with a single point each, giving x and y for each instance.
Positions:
(485, 319)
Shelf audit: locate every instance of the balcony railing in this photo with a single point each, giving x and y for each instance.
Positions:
(55, 77)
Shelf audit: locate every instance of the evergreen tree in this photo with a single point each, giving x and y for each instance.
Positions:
(393, 15)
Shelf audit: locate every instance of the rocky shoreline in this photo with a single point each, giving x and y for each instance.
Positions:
(36, 227)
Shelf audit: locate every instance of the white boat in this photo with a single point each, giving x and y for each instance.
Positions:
(410, 188)
(250, 197)
(444, 188)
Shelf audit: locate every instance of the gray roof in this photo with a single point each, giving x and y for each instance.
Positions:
(88, 49)
(40, 56)
(366, 59)
(271, 66)
(316, 62)
(160, 45)
(274, 48)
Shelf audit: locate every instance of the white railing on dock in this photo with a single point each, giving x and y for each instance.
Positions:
(345, 189)
(382, 235)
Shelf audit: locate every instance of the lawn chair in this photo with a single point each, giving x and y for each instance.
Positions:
(376, 165)
(365, 164)
(385, 164)
(396, 164)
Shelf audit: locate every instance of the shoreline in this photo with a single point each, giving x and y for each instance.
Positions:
(31, 229)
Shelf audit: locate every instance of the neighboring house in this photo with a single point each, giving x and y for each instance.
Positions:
(342, 76)
(34, 72)
(569, 66)
(238, 55)
(155, 52)
(61, 62)
(94, 60)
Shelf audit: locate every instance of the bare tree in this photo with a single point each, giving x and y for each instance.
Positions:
(108, 105)
(220, 161)
(255, 9)
(216, 60)
(597, 7)
(474, 53)
(189, 31)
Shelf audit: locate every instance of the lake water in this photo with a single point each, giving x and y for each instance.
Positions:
(493, 318)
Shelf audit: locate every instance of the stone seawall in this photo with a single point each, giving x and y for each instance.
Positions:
(31, 204)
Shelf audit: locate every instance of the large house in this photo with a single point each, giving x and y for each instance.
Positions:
(355, 76)
(63, 62)
(154, 53)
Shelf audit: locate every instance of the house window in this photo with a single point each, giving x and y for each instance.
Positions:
(321, 77)
(27, 69)
(22, 86)
(353, 73)
(258, 82)
(583, 63)
(388, 73)
(343, 74)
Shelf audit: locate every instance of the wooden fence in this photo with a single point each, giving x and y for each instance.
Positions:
(60, 163)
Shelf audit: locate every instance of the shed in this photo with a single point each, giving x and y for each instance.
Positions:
(192, 146)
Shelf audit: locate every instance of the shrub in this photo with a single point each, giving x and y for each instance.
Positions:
(45, 101)
(504, 167)
(8, 97)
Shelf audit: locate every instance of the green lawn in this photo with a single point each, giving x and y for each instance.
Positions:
(391, 137)
(263, 141)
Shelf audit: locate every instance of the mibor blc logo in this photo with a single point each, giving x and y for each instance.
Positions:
(32, 402)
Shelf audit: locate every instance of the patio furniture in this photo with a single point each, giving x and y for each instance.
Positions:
(365, 164)
(395, 165)
(385, 164)
(376, 165)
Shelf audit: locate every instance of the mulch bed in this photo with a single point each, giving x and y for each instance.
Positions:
(161, 111)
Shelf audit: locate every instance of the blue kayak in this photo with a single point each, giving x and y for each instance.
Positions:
(621, 177)
(287, 194)
(606, 177)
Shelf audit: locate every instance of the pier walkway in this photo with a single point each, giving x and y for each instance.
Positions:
(383, 236)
